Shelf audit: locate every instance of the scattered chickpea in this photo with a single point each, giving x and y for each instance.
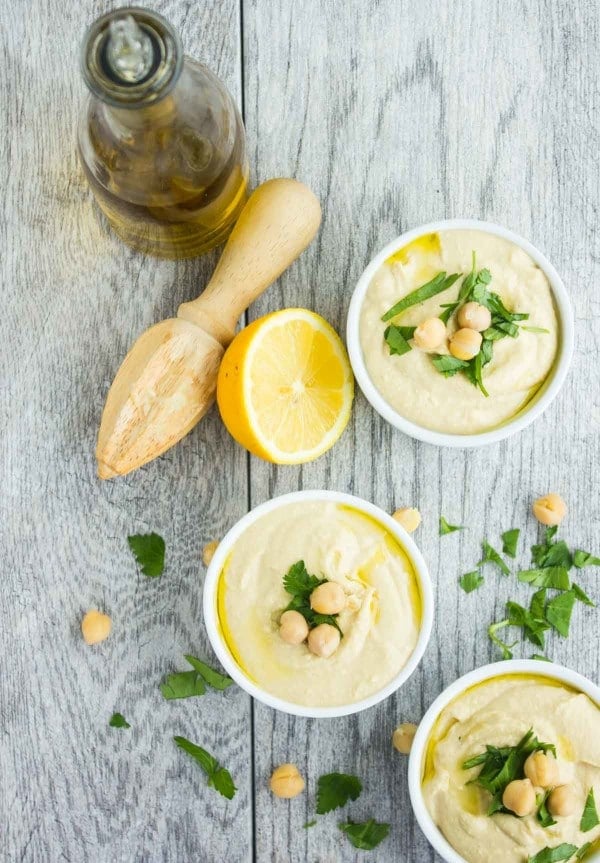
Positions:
(409, 518)
(95, 626)
(465, 344)
(293, 627)
(286, 781)
(208, 552)
(562, 801)
(474, 316)
(541, 769)
(403, 737)
(323, 640)
(328, 598)
(430, 334)
(550, 509)
(519, 797)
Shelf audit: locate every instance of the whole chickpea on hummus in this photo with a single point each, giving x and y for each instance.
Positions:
(371, 591)
(512, 367)
(500, 713)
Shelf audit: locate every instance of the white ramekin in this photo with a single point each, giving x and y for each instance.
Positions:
(221, 649)
(540, 401)
(419, 747)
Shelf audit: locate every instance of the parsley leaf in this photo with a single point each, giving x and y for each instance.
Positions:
(490, 555)
(551, 553)
(510, 538)
(589, 819)
(218, 777)
(117, 720)
(535, 329)
(149, 552)
(584, 558)
(439, 283)
(298, 582)
(448, 528)
(583, 850)
(396, 341)
(554, 855)
(449, 365)
(186, 684)
(556, 577)
(581, 595)
(335, 789)
(366, 835)
(471, 581)
(504, 647)
(310, 824)
(558, 612)
(543, 815)
(533, 626)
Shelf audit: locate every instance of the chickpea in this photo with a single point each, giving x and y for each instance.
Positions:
(541, 769)
(286, 781)
(430, 334)
(550, 509)
(474, 316)
(519, 797)
(328, 598)
(293, 627)
(95, 626)
(562, 801)
(323, 640)
(208, 552)
(465, 344)
(409, 518)
(403, 737)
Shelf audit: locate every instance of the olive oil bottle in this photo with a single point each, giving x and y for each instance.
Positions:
(161, 141)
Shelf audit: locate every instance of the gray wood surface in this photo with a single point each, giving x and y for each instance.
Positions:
(395, 113)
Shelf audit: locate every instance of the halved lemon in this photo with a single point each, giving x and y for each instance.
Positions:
(285, 387)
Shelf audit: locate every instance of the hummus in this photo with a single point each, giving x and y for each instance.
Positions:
(410, 383)
(499, 712)
(380, 622)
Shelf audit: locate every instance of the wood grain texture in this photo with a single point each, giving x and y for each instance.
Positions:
(395, 113)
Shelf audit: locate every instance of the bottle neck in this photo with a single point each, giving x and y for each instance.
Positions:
(131, 58)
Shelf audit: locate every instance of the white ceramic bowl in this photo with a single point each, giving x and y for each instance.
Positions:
(221, 649)
(419, 747)
(542, 398)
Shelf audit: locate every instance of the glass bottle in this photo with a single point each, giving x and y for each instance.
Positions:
(161, 141)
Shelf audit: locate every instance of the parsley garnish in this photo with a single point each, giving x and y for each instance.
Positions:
(366, 835)
(490, 555)
(448, 365)
(149, 551)
(584, 558)
(470, 581)
(543, 814)
(117, 720)
(581, 595)
(335, 789)
(555, 577)
(502, 765)
(589, 819)
(559, 610)
(535, 329)
(503, 645)
(300, 584)
(448, 528)
(186, 684)
(554, 855)
(397, 339)
(218, 777)
(439, 283)
(510, 538)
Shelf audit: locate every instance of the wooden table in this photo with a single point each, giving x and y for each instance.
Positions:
(395, 113)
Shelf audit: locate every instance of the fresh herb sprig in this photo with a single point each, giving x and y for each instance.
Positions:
(440, 282)
(589, 818)
(218, 777)
(335, 790)
(365, 835)
(300, 584)
(187, 684)
(149, 552)
(564, 851)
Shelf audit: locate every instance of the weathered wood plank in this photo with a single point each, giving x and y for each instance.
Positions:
(397, 113)
(74, 299)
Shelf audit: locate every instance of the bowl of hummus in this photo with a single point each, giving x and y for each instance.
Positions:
(505, 766)
(460, 333)
(318, 604)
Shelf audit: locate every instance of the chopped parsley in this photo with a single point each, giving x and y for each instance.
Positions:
(117, 720)
(149, 552)
(397, 339)
(510, 538)
(186, 684)
(542, 814)
(300, 585)
(589, 819)
(440, 282)
(335, 789)
(448, 528)
(470, 581)
(584, 558)
(218, 777)
(556, 577)
(554, 855)
(490, 555)
(365, 835)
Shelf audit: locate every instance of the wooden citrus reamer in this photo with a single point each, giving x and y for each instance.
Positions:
(168, 379)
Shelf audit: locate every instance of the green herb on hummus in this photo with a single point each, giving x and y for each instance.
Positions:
(396, 340)
(335, 789)
(117, 720)
(542, 814)
(510, 538)
(589, 819)
(300, 584)
(149, 552)
(554, 855)
(470, 581)
(366, 835)
(502, 765)
(448, 528)
(218, 777)
(439, 283)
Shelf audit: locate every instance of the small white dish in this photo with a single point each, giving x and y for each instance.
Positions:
(419, 747)
(543, 397)
(211, 614)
